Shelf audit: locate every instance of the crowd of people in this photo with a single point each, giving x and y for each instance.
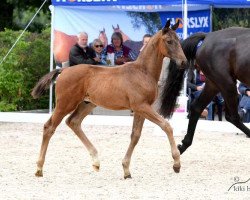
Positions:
(117, 53)
(195, 84)
(97, 54)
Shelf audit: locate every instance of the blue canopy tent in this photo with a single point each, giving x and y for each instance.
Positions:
(62, 9)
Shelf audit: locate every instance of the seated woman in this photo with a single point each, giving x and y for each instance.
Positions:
(122, 53)
(98, 48)
(244, 105)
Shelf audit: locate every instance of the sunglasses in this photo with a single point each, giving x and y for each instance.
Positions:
(98, 46)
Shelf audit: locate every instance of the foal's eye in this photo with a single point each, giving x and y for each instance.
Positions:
(170, 42)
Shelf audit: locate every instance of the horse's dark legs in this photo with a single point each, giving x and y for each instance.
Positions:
(196, 108)
(74, 122)
(231, 112)
(135, 136)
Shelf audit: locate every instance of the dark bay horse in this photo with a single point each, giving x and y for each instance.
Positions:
(224, 58)
(133, 86)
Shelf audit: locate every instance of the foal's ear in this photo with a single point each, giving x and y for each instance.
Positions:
(166, 27)
(167, 24)
(174, 27)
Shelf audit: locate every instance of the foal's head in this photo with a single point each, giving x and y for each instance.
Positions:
(170, 44)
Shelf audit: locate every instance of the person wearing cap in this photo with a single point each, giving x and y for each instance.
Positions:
(122, 53)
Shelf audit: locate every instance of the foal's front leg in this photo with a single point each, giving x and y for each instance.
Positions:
(135, 136)
(48, 131)
(147, 111)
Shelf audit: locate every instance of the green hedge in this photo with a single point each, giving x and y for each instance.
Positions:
(24, 66)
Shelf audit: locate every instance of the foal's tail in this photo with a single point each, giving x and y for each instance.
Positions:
(171, 90)
(44, 83)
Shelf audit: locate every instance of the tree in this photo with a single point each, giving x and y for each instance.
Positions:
(223, 18)
(24, 66)
(6, 15)
(11, 10)
(151, 21)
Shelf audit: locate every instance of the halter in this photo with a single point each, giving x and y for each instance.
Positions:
(199, 44)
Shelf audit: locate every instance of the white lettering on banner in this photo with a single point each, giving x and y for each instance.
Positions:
(134, 7)
(197, 22)
(88, 1)
(98, 0)
(193, 22)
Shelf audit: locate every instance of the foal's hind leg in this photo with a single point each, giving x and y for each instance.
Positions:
(48, 131)
(135, 136)
(74, 122)
(147, 112)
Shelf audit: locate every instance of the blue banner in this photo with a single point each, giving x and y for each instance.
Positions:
(69, 21)
(215, 3)
(198, 21)
(126, 2)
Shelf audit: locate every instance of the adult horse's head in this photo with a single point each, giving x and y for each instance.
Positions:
(170, 44)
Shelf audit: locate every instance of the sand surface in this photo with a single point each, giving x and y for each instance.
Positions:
(210, 167)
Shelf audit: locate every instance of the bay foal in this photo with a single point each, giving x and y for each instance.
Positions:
(130, 86)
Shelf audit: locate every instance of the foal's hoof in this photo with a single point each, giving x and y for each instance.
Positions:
(39, 173)
(127, 176)
(96, 167)
(176, 168)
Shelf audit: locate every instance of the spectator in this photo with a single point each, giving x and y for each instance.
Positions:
(97, 45)
(195, 84)
(122, 53)
(145, 40)
(217, 101)
(81, 53)
(244, 105)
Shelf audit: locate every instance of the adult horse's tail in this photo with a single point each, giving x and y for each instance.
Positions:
(171, 90)
(174, 81)
(44, 83)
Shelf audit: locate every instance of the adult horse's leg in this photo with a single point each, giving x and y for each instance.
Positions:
(135, 136)
(74, 122)
(196, 109)
(48, 130)
(146, 111)
(230, 96)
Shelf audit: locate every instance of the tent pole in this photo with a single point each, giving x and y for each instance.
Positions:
(211, 18)
(185, 20)
(52, 9)
(185, 16)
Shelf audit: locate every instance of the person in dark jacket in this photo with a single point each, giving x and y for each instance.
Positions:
(244, 104)
(81, 53)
